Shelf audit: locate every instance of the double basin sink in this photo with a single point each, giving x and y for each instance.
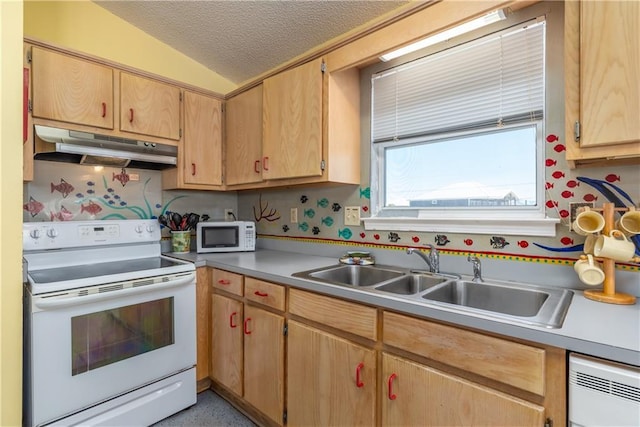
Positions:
(510, 302)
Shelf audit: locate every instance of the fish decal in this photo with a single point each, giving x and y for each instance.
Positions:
(468, 242)
(123, 177)
(64, 188)
(315, 230)
(567, 194)
(304, 199)
(110, 190)
(123, 203)
(548, 185)
(415, 239)
(566, 241)
(441, 240)
(90, 191)
(589, 198)
(34, 207)
(363, 235)
(551, 204)
(285, 228)
(91, 183)
(393, 237)
(523, 243)
(91, 208)
(303, 226)
(552, 138)
(559, 148)
(365, 193)
(612, 177)
(376, 236)
(345, 233)
(323, 203)
(573, 183)
(365, 208)
(309, 213)
(79, 195)
(558, 174)
(328, 221)
(498, 242)
(564, 213)
(336, 207)
(63, 215)
(550, 162)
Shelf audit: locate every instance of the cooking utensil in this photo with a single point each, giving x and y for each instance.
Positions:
(192, 221)
(163, 220)
(176, 220)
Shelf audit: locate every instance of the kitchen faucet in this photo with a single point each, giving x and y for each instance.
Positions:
(432, 260)
(477, 269)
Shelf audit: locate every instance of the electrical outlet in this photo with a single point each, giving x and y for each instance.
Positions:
(293, 215)
(229, 215)
(352, 215)
(574, 210)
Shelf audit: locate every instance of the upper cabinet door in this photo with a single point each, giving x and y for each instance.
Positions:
(202, 139)
(609, 70)
(292, 123)
(243, 119)
(71, 90)
(149, 107)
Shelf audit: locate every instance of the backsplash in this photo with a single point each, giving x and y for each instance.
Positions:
(66, 192)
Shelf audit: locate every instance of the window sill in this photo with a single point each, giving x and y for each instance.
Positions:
(545, 227)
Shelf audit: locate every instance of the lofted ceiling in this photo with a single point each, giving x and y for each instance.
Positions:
(241, 39)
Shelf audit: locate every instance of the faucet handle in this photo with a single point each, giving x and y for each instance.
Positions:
(477, 268)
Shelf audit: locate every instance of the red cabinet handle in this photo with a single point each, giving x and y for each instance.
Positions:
(390, 387)
(256, 164)
(231, 324)
(265, 163)
(224, 282)
(246, 325)
(193, 169)
(104, 109)
(25, 104)
(261, 294)
(358, 369)
(130, 115)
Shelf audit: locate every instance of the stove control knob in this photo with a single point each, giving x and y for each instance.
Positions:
(52, 232)
(139, 229)
(150, 229)
(35, 234)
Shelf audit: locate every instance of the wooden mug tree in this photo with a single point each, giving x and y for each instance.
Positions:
(608, 293)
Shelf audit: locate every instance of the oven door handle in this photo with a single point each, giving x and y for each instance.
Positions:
(66, 300)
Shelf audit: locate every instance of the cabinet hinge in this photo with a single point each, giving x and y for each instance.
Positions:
(323, 66)
(284, 417)
(576, 131)
(548, 422)
(285, 330)
(322, 165)
(180, 96)
(30, 106)
(29, 56)
(180, 133)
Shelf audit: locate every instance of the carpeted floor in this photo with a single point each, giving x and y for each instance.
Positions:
(210, 410)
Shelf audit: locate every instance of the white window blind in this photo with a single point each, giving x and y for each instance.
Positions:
(494, 80)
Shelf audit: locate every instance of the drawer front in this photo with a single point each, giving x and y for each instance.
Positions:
(343, 315)
(508, 362)
(264, 293)
(230, 282)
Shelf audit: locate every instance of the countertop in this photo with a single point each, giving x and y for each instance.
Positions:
(598, 329)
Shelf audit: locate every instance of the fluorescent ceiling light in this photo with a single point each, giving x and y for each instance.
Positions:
(495, 16)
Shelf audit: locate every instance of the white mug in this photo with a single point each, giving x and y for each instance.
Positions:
(629, 223)
(589, 243)
(589, 271)
(588, 222)
(615, 246)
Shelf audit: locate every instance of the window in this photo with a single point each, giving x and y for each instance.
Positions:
(457, 136)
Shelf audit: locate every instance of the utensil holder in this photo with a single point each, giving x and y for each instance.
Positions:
(180, 241)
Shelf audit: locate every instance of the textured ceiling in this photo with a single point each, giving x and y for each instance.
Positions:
(241, 39)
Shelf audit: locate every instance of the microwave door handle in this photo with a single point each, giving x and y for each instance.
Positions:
(66, 301)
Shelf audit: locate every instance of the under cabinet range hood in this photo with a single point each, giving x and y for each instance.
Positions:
(62, 145)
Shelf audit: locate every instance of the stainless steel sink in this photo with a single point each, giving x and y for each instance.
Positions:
(411, 284)
(351, 275)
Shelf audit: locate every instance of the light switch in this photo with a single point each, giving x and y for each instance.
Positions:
(294, 215)
(352, 215)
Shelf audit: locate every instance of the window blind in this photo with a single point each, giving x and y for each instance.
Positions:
(497, 79)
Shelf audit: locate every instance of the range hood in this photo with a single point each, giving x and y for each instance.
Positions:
(63, 145)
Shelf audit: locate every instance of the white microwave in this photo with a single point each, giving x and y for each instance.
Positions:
(226, 236)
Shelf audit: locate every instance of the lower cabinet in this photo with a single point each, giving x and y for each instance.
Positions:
(417, 395)
(330, 381)
(226, 342)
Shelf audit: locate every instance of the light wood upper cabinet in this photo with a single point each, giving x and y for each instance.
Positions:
(330, 381)
(602, 64)
(243, 141)
(292, 122)
(71, 90)
(149, 107)
(416, 395)
(202, 140)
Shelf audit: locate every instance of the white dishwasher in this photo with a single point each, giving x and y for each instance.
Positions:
(603, 393)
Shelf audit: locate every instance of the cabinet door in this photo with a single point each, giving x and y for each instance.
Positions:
(202, 149)
(416, 395)
(264, 361)
(149, 107)
(330, 381)
(71, 90)
(226, 342)
(609, 69)
(292, 122)
(243, 119)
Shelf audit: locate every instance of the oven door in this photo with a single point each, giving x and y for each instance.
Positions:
(91, 346)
